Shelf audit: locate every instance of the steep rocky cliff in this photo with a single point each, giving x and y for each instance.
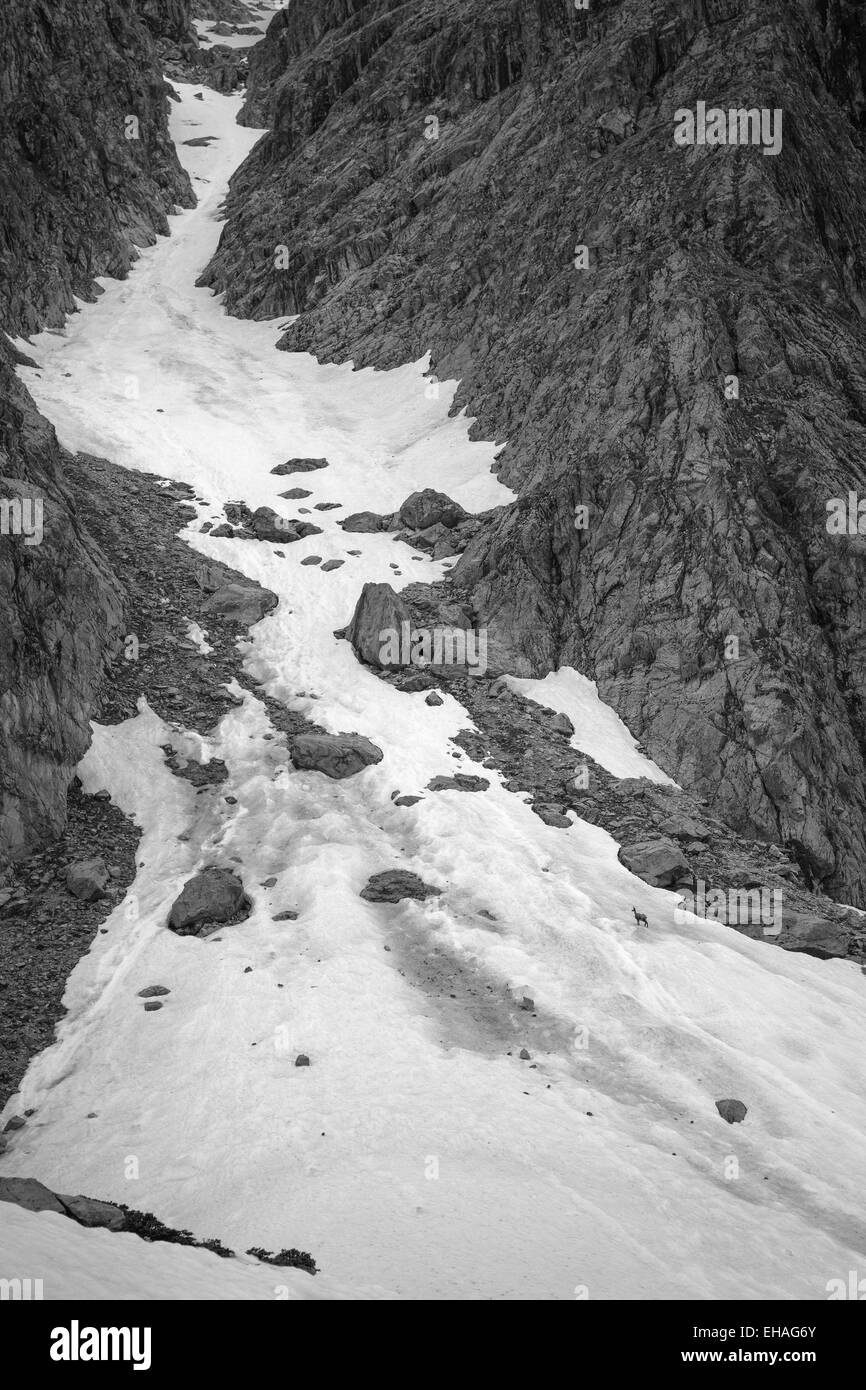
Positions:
(78, 196)
(86, 163)
(62, 612)
(433, 168)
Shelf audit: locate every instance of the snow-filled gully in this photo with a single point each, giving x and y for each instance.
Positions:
(417, 1155)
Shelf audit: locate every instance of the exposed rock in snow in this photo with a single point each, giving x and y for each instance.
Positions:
(460, 782)
(393, 885)
(734, 1111)
(336, 755)
(214, 895)
(379, 611)
(301, 465)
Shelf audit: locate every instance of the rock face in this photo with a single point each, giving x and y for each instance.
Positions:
(678, 413)
(62, 619)
(337, 755)
(213, 896)
(78, 79)
(86, 162)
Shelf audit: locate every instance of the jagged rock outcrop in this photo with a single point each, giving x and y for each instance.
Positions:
(439, 166)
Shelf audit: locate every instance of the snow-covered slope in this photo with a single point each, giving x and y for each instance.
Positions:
(418, 1153)
(74, 1262)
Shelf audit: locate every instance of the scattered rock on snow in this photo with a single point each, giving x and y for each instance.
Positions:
(392, 885)
(734, 1111)
(336, 755)
(430, 508)
(268, 525)
(302, 1060)
(364, 521)
(152, 991)
(460, 782)
(301, 465)
(214, 895)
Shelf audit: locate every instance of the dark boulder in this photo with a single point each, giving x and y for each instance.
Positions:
(213, 896)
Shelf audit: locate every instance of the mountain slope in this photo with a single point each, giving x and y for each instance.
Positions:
(78, 197)
(512, 1085)
(705, 595)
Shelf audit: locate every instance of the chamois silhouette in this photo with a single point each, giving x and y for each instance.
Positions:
(639, 917)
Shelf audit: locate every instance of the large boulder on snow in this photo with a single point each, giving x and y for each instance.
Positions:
(734, 1111)
(430, 508)
(268, 525)
(366, 522)
(304, 465)
(241, 603)
(657, 861)
(336, 755)
(378, 613)
(214, 896)
(392, 885)
(420, 512)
